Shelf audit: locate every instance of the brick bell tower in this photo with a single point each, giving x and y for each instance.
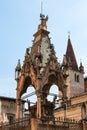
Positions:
(40, 69)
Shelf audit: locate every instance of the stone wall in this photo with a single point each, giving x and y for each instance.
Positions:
(71, 112)
(79, 99)
(74, 87)
(85, 84)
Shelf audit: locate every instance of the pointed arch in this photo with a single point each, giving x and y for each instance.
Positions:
(24, 83)
(58, 81)
(53, 93)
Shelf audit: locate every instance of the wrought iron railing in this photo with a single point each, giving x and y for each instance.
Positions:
(48, 124)
(16, 125)
(60, 124)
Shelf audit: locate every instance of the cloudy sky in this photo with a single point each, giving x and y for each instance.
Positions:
(18, 22)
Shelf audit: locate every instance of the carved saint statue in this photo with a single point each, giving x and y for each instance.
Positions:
(43, 23)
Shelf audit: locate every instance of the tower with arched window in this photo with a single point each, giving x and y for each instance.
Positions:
(75, 79)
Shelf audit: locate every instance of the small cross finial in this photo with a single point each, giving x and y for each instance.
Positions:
(41, 7)
(68, 34)
(80, 61)
(41, 14)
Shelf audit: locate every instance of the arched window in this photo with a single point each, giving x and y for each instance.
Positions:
(75, 77)
(30, 100)
(55, 95)
(54, 91)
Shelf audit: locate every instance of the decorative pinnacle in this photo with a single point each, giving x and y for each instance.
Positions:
(18, 67)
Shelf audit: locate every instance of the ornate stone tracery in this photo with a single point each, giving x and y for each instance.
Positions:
(41, 70)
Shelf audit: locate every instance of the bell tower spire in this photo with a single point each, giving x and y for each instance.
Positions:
(75, 80)
(70, 55)
(68, 34)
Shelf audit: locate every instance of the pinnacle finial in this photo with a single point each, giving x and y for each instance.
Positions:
(18, 67)
(81, 68)
(18, 70)
(68, 34)
(41, 14)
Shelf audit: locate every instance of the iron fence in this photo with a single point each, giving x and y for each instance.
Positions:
(21, 124)
(48, 124)
(61, 124)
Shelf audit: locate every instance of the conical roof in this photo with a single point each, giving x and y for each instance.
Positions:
(70, 56)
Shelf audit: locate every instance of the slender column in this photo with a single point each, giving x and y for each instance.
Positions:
(34, 124)
(65, 108)
(18, 108)
(84, 126)
(38, 105)
(65, 111)
(18, 95)
(38, 93)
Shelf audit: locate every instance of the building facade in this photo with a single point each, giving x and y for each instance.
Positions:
(8, 109)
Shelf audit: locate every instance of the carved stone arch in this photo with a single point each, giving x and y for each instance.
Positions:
(27, 83)
(47, 105)
(58, 81)
(53, 79)
(24, 83)
(45, 90)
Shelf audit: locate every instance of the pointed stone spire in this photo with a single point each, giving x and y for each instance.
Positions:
(70, 56)
(17, 70)
(64, 60)
(18, 67)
